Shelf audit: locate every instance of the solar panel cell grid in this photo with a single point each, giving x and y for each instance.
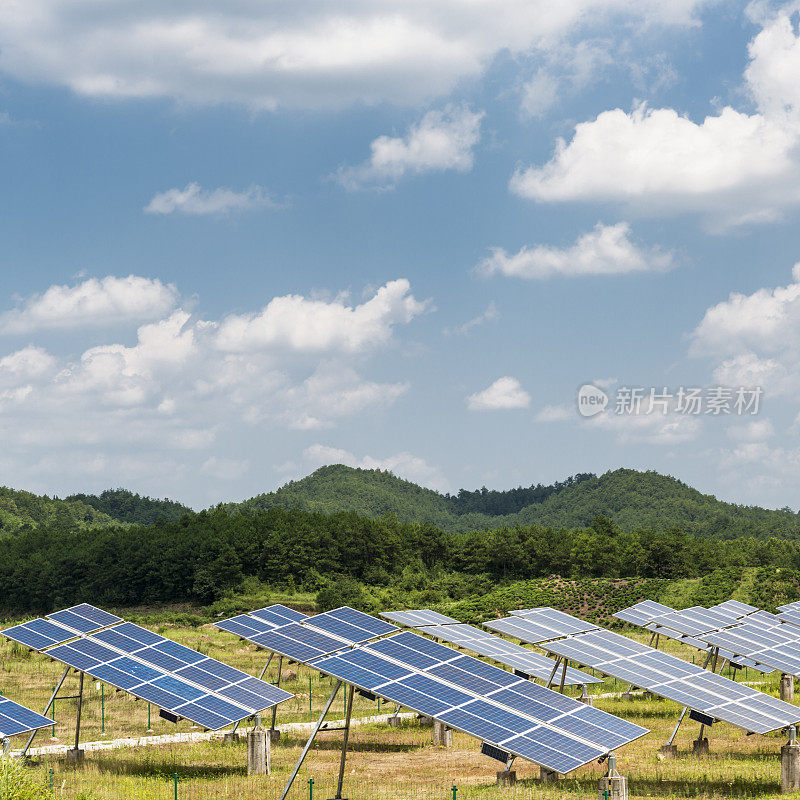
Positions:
(15, 718)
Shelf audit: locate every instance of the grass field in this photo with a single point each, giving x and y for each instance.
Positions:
(382, 762)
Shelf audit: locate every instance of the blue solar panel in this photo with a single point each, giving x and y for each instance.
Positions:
(337, 627)
(85, 618)
(376, 627)
(200, 676)
(74, 658)
(416, 619)
(15, 719)
(39, 634)
(113, 637)
(405, 655)
(74, 621)
(278, 615)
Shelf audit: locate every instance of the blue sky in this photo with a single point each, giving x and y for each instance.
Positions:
(240, 243)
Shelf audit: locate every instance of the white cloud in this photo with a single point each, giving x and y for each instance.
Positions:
(754, 339)
(557, 413)
(734, 167)
(607, 250)
(404, 465)
(754, 431)
(643, 428)
(504, 393)
(285, 53)
(466, 328)
(193, 200)
(225, 469)
(27, 363)
(440, 141)
(308, 325)
(91, 303)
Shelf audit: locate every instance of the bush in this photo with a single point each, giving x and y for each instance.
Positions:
(18, 784)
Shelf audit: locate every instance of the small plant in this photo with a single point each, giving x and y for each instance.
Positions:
(17, 784)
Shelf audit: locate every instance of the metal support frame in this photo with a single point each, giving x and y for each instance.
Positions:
(310, 741)
(345, 739)
(509, 764)
(686, 708)
(553, 673)
(563, 676)
(46, 709)
(6, 746)
(612, 766)
(80, 709)
(257, 716)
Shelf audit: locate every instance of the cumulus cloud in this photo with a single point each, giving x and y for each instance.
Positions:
(754, 339)
(309, 325)
(648, 428)
(440, 141)
(193, 200)
(735, 167)
(607, 250)
(504, 393)
(284, 53)
(91, 303)
(404, 465)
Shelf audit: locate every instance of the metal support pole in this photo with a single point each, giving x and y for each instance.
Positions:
(310, 741)
(552, 674)
(269, 660)
(563, 676)
(46, 709)
(675, 732)
(6, 748)
(651, 639)
(275, 707)
(345, 739)
(78, 718)
(714, 666)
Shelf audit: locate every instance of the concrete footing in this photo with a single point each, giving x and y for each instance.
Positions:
(546, 776)
(790, 768)
(442, 735)
(506, 778)
(627, 696)
(258, 752)
(668, 752)
(700, 746)
(393, 722)
(787, 688)
(612, 788)
(589, 701)
(425, 722)
(75, 756)
(231, 738)
(274, 735)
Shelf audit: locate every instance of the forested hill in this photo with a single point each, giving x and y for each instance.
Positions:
(125, 506)
(630, 498)
(24, 510)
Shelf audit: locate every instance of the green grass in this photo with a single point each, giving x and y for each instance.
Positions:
(382, 763)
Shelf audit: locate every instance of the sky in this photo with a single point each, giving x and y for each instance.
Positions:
(473, 242)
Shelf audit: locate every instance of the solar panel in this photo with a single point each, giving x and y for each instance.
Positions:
(84, 618)
(691, 621)
(795, 606)
(521, 628)
(15, 719)
(481, 700)
(774, 646)
(791, 616)
(555, 620)
(415, 619)
(278, 614)
(504, 652)
(39, 633)
(736, 609)
(306, 638)
(675, 679)
(168, 674)
(643, 612)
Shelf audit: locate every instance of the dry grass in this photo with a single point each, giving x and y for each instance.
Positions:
(382, 762)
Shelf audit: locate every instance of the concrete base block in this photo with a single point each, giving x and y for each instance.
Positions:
(274, 735)
(627, 696)
(546, 776)
(612, 788)
(75, 756)
(589, 701)
(790, 768)
(393, 722)
(258, 752)
(425, 722)
(231, 738)
(506, 778)
(668, 752)
(787, 688)
(700, 746)
(442, 735)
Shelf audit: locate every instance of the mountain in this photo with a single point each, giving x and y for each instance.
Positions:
(127, 507)
(21, 510)
(630, 498)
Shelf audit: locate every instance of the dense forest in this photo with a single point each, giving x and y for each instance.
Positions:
(125, 506)
(631, 498)
(203, 556)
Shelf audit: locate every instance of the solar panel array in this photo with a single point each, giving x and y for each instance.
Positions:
(15, 719)
(481, 700)
(306, 638)
(173, 677)
(643, 612)
(795, 606)
(674, 678)
(486, 644)
(535, 625)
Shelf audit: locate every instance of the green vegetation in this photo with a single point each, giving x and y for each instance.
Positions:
(18, 783)
(125, 506)
(632, 499)
(20, 511)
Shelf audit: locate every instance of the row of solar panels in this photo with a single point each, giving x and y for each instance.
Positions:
(15, 719)
(175, 678)
(741, 632)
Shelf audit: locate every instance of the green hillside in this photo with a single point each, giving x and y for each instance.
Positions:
(125, 506)
(630, 498)
(24, 510)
